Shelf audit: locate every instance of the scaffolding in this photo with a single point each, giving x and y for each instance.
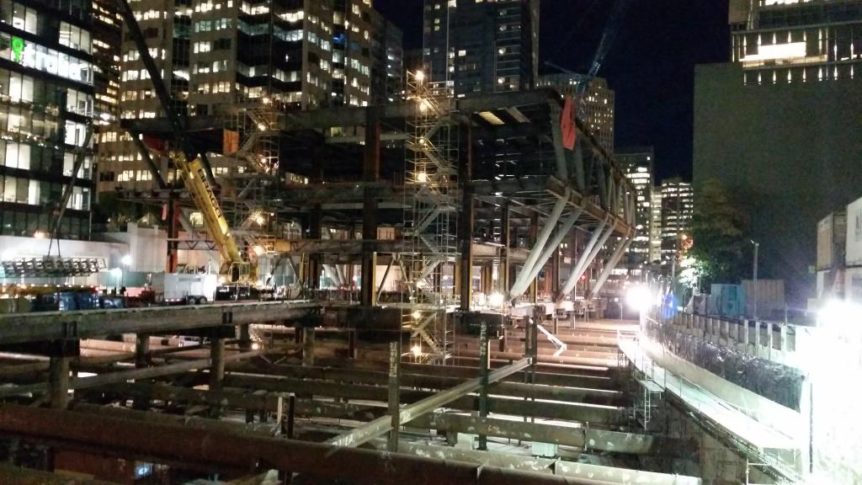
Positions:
(430, 216)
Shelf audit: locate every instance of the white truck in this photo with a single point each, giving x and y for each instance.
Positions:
(184, 288)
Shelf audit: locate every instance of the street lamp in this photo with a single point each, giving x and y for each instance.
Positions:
(754, 303)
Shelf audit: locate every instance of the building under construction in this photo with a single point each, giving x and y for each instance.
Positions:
(432, 282)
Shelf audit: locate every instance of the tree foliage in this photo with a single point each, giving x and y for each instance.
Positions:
(720, 229)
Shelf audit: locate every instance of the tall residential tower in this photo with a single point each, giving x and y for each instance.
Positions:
(482, 46)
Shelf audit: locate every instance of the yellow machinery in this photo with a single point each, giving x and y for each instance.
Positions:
(194, 177)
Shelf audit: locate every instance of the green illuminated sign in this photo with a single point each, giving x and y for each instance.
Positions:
(17, 48)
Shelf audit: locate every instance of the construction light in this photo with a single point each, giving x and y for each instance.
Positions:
(416, 350)
(838, 312)
(126, 260)
(420, 76)
(495, 299)
(424, 105)
(258, 250)
(40, 235)
(261, 126)
(416, 315)
(638, 298)
(421, 177)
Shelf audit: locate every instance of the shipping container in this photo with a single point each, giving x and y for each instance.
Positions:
(770, 298)
(853, 241)
(726, 301)
(831, 240)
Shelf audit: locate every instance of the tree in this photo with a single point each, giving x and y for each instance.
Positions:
(720, 229)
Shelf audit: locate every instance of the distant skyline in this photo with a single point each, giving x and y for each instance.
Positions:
(650, 65)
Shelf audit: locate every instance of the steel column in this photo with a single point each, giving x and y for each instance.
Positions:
(394, 393)
(217, 367)
(523, 280)
(590, 252)
(484, 367)
(612, 263)
(58, 380)
(308, 346)
(550, 248)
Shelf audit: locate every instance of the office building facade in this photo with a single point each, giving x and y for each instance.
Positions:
(637, 163)
(46, 82)
(596, 108)
(482, 47)
(677, 210)
(780, 137)
(791, 41)
(655, 226)
(387, 66)
(218, 57)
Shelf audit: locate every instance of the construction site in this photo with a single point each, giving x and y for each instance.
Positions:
(422, 291)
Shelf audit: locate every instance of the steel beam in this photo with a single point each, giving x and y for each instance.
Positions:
(561, 233)
(379, 426)
(13, 475)
(522, 280)
(247, 451)
(590, 252)
(123, 376)
(586, 438)
(49, 326)
(577, 472)
(414, 375)
(611, 264)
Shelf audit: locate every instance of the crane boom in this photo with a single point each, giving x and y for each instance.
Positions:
(195, 179)
(195, 174)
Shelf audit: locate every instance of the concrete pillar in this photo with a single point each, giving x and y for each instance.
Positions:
(58, 381)
(769, 337)
(782, 343)
(756, 337)
(308, 346)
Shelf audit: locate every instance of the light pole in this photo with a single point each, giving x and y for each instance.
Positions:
(754, 303)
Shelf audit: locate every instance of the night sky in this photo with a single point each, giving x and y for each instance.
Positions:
(650, 65)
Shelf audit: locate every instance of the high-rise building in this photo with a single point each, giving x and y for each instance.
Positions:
(217, 55)
(637, 163)
(107, 37)
(46, 81)
(655, 226)
(677, 210)
(596, 107)
(482, 46)
(387, 53)
(755, 132)
(793, 41)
